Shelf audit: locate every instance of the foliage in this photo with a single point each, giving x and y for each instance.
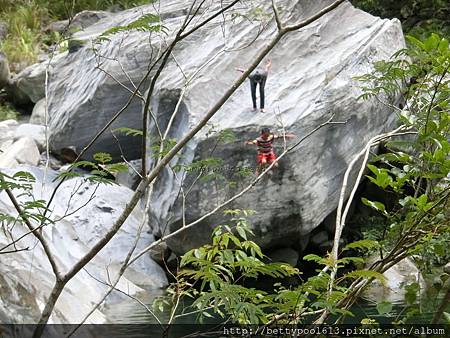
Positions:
(146, 23)
(419, 17)
(216, 276)
(416, 168)
(26, 21)
(7, 112)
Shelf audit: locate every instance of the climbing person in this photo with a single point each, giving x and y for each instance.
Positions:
(258, 76)
(266, 155)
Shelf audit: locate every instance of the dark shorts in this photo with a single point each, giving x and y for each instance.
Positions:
(266, 158)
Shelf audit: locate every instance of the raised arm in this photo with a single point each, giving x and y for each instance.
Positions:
(287, 135)
(268, 65)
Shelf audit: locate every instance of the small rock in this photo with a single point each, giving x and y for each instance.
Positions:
(403, 273)
(4, 145)
(160, 253)
(52, 162)
(23, 151)
(319, 238)
(7, 129)
(447, 268)
(130, 178)
(58, 26)
(38, 114)
(87, 18)
(35, 131)
(286, 255)
(80, 21)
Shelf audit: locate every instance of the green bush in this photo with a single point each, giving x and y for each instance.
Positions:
(7, 112)
(27, 18)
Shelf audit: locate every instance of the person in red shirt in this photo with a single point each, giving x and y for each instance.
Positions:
(266, 155)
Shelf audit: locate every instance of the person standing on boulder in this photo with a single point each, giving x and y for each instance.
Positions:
(266, 155)
(258, 76)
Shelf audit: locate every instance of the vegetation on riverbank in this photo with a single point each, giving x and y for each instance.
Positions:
(419, 17)
(26, 22)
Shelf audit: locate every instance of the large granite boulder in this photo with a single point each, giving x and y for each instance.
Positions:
(311, 79)
(26, 277)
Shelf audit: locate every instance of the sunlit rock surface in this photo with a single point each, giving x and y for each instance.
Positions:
(311, 80)
(26, 276)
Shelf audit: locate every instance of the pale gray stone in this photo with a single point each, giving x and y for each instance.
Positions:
(38, 114)
(447, 268)
(35, 131)
(403, 273)
(70, 239)
(22, 151)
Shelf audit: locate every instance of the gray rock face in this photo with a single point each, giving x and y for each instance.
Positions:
(26, 276)
(311, 79)
(4, 71)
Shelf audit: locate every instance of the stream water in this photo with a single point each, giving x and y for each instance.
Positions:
(130, 311)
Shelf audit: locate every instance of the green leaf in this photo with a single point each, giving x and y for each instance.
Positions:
(384, 307)
(447, 317)
(375, 205)
(129, 131)
(362, 244)
(148, 22)
(241, 232)
(102, 157)
(367, 274)
(411, 292)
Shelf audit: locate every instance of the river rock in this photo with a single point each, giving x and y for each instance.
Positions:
(22, 151)
(397, 277)
(312, 79)
(38, 113)
(26, 276)
(7, 129)
(35, 131)
(447, 268)
(286, 255)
